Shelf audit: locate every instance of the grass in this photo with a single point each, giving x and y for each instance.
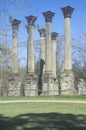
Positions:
(71, 97)
(42, 116)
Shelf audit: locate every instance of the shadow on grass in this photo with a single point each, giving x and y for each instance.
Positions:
(43, 121)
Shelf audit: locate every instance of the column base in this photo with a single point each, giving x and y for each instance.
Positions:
(50, 85)
(67, 83)
(31, 88)
(81, 87)
(14, 88)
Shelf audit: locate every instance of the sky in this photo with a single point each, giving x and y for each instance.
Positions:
(18, 9)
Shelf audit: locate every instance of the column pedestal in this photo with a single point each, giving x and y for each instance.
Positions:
(50, 85)
(14, 85)
(67, 83)
(31, 88)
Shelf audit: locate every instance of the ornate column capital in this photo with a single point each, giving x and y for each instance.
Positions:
(42, 32)
(48, 16)
(67, 11)
(15, 23)
(31, 19)
(54, 35)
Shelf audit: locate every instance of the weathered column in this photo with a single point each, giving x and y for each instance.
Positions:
(67, 83)
(15, 25)
(53, 39)
(67, 12)
(49, 85)
(14, 88)
(31, 78)
(48, 57)
(30, 45)
(42, 32)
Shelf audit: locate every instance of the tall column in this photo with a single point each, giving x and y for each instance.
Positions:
(49, 84)
(53, 39)
(30, 45)
(48, 58)
(15, 25)
(67, 12)
(31, 78)
(42, 32)
(14, 88)
(67, 77)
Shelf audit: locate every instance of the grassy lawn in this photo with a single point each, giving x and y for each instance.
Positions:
(42, 116)
(71, 97)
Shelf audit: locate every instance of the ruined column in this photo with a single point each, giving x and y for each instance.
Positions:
(67, 12)
(49, 86)
(48, 58)
(31, 78)
(14, 88)
(15, 25)
(42, 32)
(67, 76)
(30, 45)
(53, 39)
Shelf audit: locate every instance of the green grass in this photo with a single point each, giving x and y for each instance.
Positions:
(42, 116)
(71, 97)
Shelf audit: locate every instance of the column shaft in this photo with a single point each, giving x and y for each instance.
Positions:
(15, 51)
(30, 45)
(67, 50)
(42, 48)
(48, 57)
(67, 12)
(53, 40)
(15, 24)
(30, 56)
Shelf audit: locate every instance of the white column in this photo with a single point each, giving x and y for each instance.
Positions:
(53, 39)
(30, 45)
(67, 11)
(48, 56)
(15, 24)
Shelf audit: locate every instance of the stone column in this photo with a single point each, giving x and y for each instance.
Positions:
(14, 88)
(49, 86)
(31, 78)
(42, 33)
(67, 12)
(42, 45)
(53, 39)
(48, 57)
(30, 45)
(67, 75)
(15, 25)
